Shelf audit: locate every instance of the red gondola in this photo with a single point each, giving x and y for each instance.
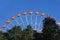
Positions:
(0, 30)
(4, 25)
(48, 16)
(30, 12)
(8, 21)
(13, 18)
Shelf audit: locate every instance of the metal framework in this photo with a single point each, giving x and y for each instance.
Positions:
(8, 21)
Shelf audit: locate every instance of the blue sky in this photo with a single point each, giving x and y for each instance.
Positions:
(12, 7)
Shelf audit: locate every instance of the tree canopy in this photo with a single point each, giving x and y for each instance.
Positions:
(49, 31)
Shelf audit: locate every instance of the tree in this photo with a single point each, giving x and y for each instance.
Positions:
(58, 37)
(15, 33)
(50, 29)
(27, 33)
(2, 37)
(38, 36)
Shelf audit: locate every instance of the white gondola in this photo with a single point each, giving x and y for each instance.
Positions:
(7, 21)
(42, 14)
(37, 12)
(58, 23)
(24, 12)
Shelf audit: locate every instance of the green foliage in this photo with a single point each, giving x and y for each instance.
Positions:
(50, 32)
(2, 37)
(15, 33)
(27, 33)
(50, 29)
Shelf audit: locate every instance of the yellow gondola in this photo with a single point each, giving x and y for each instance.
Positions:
(18, 14)
(8, 21)
(42, 14)
(13, 18)
(30, 12)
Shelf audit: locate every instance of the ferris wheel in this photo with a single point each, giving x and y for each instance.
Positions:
(25, 18)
